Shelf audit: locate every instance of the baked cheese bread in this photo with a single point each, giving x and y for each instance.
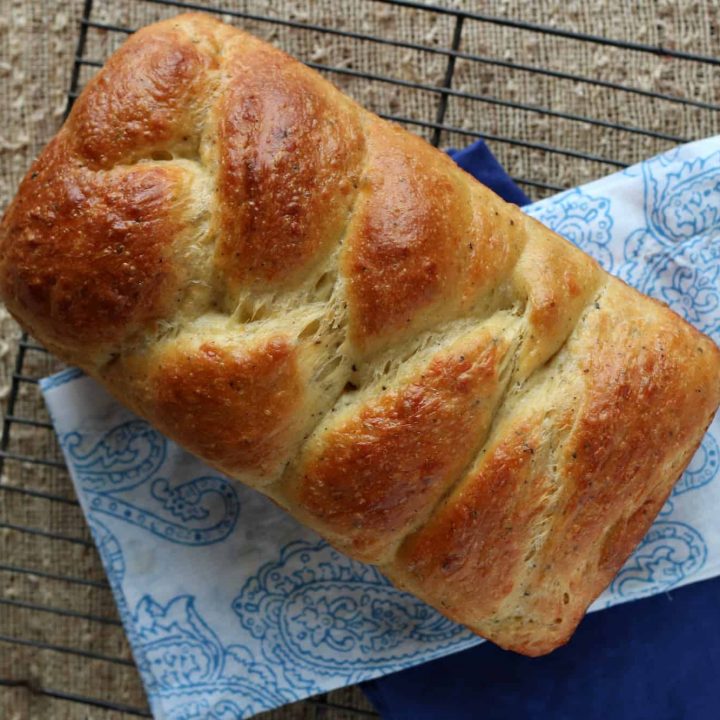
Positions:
(325, 307)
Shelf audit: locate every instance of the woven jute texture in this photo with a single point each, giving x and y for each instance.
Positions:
(37, 47)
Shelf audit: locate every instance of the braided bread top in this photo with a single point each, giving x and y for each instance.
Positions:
(323, 306)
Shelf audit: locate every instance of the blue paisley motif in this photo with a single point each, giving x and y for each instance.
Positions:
(669, 553)
(701, 470)
(110, 552)
(583, 219)
(676, 256)
(687, 277)
(316, 610)
(683, 204)
(187, 533)
(113, 561)
(127, 458)
(223, 710)
(181, 655)
(180, 648)
(693, 290)
(123, 458)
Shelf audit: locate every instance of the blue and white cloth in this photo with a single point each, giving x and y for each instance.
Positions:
(232, 608)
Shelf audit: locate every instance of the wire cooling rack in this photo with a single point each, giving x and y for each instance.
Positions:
(457, 102)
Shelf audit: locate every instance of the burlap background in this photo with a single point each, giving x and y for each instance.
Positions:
(37, 45)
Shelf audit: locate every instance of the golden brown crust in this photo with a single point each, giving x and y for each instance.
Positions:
(243, 402)
(472, 550)
(87, 257)
(493, 247)
(290, 156)
(148, 94)
(233, 405)
(325, 307)
(571, 478)
(380, 466)
(557, 282)
(403, 260)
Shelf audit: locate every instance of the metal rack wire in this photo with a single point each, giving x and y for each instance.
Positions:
(24, 408)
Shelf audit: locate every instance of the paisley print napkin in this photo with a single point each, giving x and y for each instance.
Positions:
(232, 608)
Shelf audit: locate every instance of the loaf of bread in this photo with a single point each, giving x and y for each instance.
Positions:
(325, 307)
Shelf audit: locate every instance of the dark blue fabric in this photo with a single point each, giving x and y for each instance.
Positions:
(657, 658)
(654, 659)
(480, 162)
